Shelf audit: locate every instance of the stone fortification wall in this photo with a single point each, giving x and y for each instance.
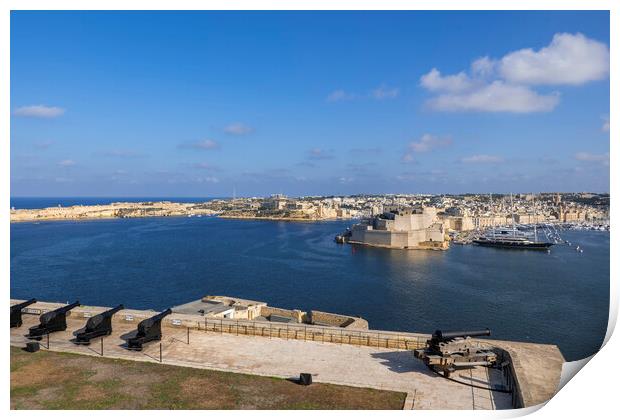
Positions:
(419, 229)
(535, 368)
(107, 211)
(432, 238)
(372, 237)
(296, 314)
(336, 320)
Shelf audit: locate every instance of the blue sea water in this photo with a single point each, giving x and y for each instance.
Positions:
(560, 298)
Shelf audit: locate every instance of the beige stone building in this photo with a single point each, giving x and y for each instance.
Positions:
(404, 228)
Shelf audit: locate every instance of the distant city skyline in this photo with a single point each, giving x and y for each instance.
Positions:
(211, 104)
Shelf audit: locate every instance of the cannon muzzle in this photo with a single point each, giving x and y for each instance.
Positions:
(443, 336)
(67, 308)
(112, 311)
(16, 312)
(24, 304)
(160, 316)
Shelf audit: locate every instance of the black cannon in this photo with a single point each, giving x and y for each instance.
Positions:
(97, 326)
(16, 312)
(448, 351)
(440, 336)
(148, 330)
(50, 322)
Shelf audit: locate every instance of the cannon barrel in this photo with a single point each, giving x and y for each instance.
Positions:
(148, 330)
(443, 336)
(112, 311)
(161, 315)
(48, 316)
(52, 321)
(22, 305)
(99, 318)
(16, 312)
(149, 322)
(97, 326)
(60, 311)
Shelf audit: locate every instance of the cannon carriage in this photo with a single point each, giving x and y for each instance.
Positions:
(16, 312)
(96, 326)
(446, 352)
(148, 330)
(51, 321)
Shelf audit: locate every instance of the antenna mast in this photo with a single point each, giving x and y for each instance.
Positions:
(512, 206)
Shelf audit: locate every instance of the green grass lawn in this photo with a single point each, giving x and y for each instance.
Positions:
(52, 380)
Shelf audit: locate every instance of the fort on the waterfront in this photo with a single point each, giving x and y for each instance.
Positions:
(457, 213)
(402, 228)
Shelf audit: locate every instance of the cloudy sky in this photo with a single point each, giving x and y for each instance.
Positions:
(201, 104)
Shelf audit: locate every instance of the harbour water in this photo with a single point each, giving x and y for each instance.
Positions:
(560, 298)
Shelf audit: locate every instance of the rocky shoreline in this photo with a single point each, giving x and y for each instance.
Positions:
(112, 211)
(151, 209)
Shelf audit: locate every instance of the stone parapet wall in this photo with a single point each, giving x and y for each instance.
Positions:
(296, 314)
(536, 368)
(337, 320)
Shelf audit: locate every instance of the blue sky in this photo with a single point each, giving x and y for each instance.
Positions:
(304, 103)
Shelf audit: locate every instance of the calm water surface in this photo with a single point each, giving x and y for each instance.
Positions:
(156, 263)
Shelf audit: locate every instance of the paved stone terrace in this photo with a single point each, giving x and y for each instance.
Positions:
(331, 363)
(537, 366)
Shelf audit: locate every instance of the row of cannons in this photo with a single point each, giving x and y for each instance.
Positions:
(444, 353)
(97, 326)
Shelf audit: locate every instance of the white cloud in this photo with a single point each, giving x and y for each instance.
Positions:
(319, 154)
(238, 129)
(339, 95)
(208, 179)
(605, 126)
(434, 81)
(204, 165)
(483, 67)
(206, 144)
(426, 143)
(429, 142)
(46, 144)
(384, 92)
(482, 159)
(120, 153)
(39, 111)
(496, 97)
(568, 60)
(66, 163)
(380, 93)
(590, 157)
(504, 85)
